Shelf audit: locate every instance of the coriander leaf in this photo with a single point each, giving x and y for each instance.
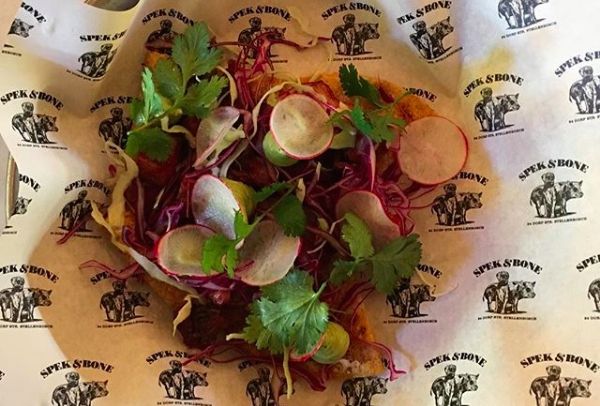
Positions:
(152, 142)
(356, 233)
(201, 96)
(292, 312)
(153, 106)
(268, 191)
(357, 115)
(342, 271)
(136, 110)
(290, 216)
(381, 126)
(231, 260)
(167, 77)
(256, 333)
(355, 85)
(192, 52)
(213, 251)
(241, 227)
(396, 260)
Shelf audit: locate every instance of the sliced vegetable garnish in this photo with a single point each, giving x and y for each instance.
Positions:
(297, 357)
(301, 127)
(213, 131)
(274, 153)
(368, 207)
(214, 205)
(269, 253)
(432, 151)
(336, 341)
(180, 251)
(323, 210)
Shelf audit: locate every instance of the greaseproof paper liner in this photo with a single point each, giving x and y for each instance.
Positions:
(504, 309)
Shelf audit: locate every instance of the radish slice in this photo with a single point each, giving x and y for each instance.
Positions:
(432, 151)
(212, 132)
(294, 356)
(214, 205)
(300, 127)
(335, 343)
(180, 250)
(270, 253)
(369, 208)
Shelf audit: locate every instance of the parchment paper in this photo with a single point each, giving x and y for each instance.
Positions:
(527, 99)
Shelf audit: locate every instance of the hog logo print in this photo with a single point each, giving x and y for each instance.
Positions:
(448, 390)
(555, 390)
(20, 28)
(75, 393)
(491, 110)
(160, 40)
(503, 296)
(180, 383)
(360, 391)
(116, 127)
(594, 293)
(584, 92)
(33, 127)
(21, 206)
(253, 37)
(429, 41)
(18, 303)
(550, 199)
(94, 64)
(519, 13)
(451, 207)
(350, 37)
(406, 299)
(260, 390)
(120, 304)
(75, 215)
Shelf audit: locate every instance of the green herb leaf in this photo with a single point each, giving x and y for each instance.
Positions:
(290, 216)
(193, 54)
(292, 312)
(342, 271)
(256, 333)
(201, 96)
(214, 250)
(153, 106)
(152, 142)
(241, 227)
(268, 191)
(356, 233)
(357, 115)
(219, 253)
(136, 110)
(395, 261)
(355, 85)
(168, 80)
(381, 124)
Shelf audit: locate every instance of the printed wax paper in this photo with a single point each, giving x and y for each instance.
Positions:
(505, 307)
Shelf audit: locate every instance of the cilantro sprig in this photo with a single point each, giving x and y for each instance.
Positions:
(220, 253)
(377, 123)
(287, 315)
(178, 85)
(396, 260)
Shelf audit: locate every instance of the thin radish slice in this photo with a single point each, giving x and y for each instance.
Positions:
(179, 251)
(270, 253)
(294, 356)
(212, 132)
(301, 127)
(214, 205)
(432, 151)
(368, 207)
